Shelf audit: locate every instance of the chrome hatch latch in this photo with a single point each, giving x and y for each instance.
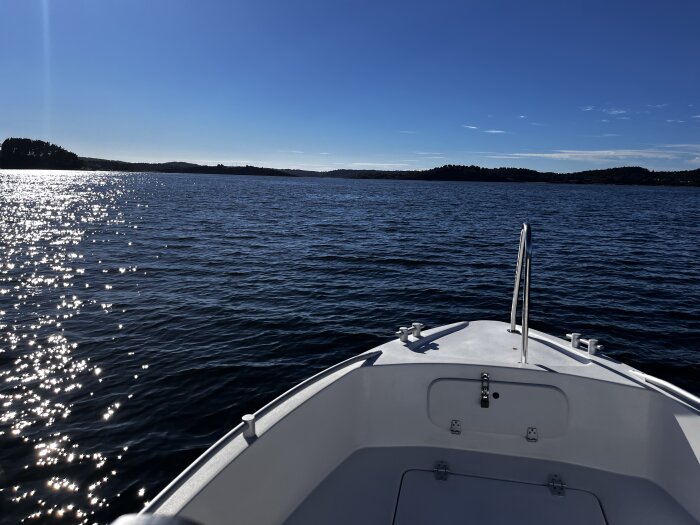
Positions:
(485, 390)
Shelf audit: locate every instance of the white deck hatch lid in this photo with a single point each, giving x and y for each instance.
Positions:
(429, 498)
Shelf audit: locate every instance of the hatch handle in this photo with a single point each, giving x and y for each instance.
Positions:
(485, 380)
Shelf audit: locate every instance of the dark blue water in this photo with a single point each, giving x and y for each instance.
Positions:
(141, 314)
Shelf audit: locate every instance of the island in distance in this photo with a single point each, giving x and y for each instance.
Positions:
(17, 153)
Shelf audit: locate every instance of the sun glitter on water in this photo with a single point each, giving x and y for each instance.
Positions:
(48, 386)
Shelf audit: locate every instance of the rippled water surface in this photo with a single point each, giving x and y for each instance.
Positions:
(142, 314)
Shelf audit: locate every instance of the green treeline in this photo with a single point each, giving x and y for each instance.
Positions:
(33, 154)
(36, 154)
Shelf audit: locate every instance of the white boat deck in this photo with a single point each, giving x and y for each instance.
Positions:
(490, 343)
(367, 442)
(397, 486)
(466, 423)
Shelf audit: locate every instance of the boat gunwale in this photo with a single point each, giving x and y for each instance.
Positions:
(171, 489)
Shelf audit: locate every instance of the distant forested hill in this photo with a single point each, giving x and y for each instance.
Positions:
(450, 172)
(37, 154)
(178, 167)
(28, 154)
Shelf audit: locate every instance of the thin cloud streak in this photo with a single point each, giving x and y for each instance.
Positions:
(469, 127)
(682, 149)
(493, 131)
(612, 111)
(664, 152)
(224, 162)
(379, 164)
(595, 155)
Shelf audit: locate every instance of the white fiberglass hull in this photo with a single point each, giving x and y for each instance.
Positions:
(401, 435)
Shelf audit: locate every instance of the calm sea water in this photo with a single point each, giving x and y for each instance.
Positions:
(142, 314)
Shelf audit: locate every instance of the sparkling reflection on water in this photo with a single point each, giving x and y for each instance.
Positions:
(142, 314)
(50, 392)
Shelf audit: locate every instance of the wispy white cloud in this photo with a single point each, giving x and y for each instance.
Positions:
(428, 153)
(324, 153)
(380, 164)
(590, 155)
(683, 147)
(536, 124)
(619, 112)
(407, 132)
(295, 151)
(673, 120)
(669, 152)
(494, 131)
(695, 116)
(469, 127)
(691, 152)
(223, 161)
(312, 166)
(522, 116)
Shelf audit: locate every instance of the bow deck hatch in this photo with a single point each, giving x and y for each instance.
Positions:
(442, 497)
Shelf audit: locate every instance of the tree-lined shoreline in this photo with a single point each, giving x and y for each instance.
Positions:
(18, 153)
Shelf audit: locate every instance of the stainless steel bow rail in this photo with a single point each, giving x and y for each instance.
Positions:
(524, 264)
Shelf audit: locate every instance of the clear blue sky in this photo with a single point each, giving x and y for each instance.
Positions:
(324, 84)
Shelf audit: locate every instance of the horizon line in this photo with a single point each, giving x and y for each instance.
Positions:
(379, 167)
